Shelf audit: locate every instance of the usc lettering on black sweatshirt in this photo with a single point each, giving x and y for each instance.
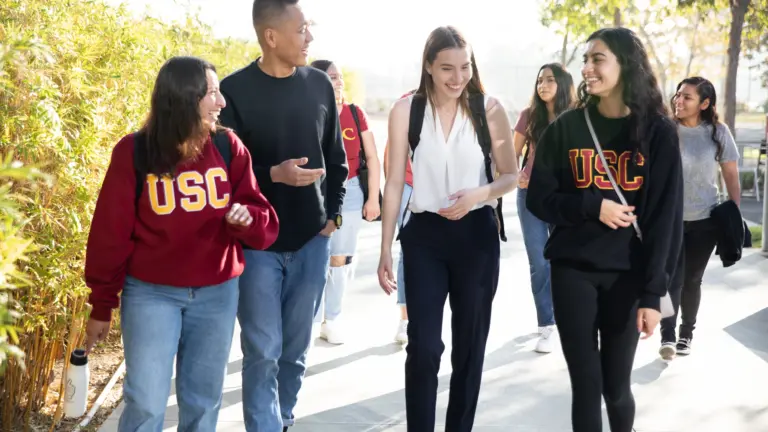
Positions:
(568, 185)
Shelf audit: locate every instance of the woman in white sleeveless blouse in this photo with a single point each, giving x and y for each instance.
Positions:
(450, 242)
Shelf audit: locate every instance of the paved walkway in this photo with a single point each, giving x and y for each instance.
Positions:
(358, 387)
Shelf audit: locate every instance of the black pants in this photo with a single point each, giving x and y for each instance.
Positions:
(699, 241)
(458, 260)
(587, 304)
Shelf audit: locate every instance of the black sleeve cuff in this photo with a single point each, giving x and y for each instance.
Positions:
(650, 301)
(591, 204)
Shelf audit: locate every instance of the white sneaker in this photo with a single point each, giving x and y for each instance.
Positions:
(402, 332)
(332, 333)
(546, 341)
(668, 351)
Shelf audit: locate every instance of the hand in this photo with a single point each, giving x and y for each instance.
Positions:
(465, 200)
(647, 320)
(522, 180)
(387, 278)
(289, 173)
(95, 332)
(330, 227)
(371, 209)
(239, 215)
(616, 215)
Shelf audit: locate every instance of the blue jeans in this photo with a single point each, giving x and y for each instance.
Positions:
(193, 324)
(407, 191)
(280, 294)
(535, 235)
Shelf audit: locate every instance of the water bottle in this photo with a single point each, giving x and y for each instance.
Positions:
(76, 390)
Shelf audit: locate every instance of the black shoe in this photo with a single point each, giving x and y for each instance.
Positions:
(285, 428)
(684, 346)
(667, 350)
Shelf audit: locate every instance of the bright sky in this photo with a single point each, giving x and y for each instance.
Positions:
(393, 32)
(386, 38)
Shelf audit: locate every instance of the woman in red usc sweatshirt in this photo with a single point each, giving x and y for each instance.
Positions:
(172, 244)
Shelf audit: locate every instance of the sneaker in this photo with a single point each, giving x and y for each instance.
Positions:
(684, 346)
(546, 342)
(331, 332)
(667, 350)
(401, 336)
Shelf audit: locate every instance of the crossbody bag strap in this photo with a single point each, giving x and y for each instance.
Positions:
(608, 171)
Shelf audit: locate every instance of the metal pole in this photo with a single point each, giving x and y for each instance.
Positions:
(765, 190)
(765, 210)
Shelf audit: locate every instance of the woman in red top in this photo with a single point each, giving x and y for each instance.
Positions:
(172, 244)
(358, 141)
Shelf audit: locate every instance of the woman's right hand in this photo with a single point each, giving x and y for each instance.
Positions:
(616, 215)
(522, 179)
(95, 332)
(387, 280)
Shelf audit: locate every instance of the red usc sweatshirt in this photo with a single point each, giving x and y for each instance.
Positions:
(177, 234)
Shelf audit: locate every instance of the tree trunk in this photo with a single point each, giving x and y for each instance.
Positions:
(696, 21)
(738, 12)
(564, 52)
(617, 17)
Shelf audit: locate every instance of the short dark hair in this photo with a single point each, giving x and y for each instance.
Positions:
(323, 65)
(265, 11)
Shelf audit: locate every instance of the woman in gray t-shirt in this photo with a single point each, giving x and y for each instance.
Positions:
(705, 145)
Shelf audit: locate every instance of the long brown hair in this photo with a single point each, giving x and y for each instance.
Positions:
(174, 128)
(440, 39)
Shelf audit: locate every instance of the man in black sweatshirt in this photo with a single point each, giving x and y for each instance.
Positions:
(285, 113)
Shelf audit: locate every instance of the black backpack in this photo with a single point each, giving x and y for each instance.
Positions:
(220, 140)
(477, 107)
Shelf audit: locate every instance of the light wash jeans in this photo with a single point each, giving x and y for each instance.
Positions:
(343, 243)
(407, 191)
(193, 324)
(535, 236)
(280, 294)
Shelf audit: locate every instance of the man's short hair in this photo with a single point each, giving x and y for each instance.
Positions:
(265, 11)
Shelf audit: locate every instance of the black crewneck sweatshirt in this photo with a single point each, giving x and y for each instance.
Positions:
(568, 185)
(289, 118)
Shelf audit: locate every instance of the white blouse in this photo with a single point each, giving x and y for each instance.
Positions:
(443, 167)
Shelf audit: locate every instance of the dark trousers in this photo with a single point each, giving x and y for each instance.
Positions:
(458, 260)
(699, 241)
(588, 304)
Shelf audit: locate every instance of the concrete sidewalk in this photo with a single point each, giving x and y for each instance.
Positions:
(358, 386)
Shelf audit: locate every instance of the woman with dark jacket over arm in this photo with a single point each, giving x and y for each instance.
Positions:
(605, 279)
(178, 199)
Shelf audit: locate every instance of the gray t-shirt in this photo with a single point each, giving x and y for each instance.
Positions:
(700, 167)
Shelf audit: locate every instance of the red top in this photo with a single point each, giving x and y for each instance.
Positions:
(178, 236)
(352, 141)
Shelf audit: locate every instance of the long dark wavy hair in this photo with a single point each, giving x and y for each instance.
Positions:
(440, 39)
(174, 128)
(706, 91)
(640, 89)
(565, 97)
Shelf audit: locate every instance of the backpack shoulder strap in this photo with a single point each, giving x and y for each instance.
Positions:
(224, 146)
(477, 107)
(356, 118)
(139, 163)
(416, 120)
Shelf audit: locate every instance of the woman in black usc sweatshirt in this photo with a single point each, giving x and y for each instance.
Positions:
(604, 278)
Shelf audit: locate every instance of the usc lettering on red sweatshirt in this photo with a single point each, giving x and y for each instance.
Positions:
(176, 233)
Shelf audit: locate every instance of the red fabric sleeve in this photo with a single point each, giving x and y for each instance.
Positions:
(110, 242)
(262, 232)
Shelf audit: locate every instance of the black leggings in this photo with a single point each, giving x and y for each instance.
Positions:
(699, 241)
(587, 304)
